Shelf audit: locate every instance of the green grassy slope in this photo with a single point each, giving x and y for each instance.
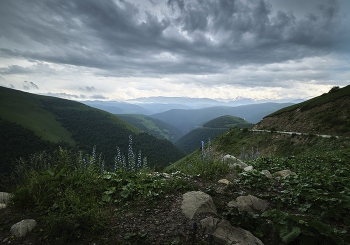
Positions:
(325, 114)
(317, 101)
(24, 109)
(158, 128)
(267, 144)
(62, 120)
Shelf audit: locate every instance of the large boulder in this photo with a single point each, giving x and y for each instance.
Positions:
(284, 173)
(249, 204)
(224, 233)
(195, 202)
(21, 228)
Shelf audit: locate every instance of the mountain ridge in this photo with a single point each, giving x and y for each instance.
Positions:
(327, 114)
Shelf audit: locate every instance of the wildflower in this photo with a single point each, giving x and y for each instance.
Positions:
(203, 151)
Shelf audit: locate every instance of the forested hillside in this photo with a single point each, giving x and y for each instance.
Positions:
(158, 128)
(227, 121)
(44, 123)
(92, 127)
(210, 130)
(17, 141)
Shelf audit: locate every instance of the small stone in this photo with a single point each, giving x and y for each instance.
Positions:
(2, 205)
(266, 173)
(284, 173)
(249, 168)
(224, 181)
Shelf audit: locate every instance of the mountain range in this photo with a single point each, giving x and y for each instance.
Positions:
(154, 105)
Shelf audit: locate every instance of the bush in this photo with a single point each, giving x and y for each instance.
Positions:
(334, 89)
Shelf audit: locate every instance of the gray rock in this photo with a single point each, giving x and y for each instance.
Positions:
(195, 202)
(2, 205)
(4, 197)
(21, 228)
(225, 233)
(232, 161)
(209, 225)
(249, 204)
(284, 173)
(249, 168)
(266, 173)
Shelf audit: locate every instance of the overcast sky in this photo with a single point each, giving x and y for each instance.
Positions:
(220, 49)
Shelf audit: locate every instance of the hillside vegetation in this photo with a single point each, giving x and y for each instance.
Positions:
(211, 129)
(158, 128)
(227, 122)
(74, 125)
(78, 203)
(326, 114)
(26, 110)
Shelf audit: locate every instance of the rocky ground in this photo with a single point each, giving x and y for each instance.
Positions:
(163, 223)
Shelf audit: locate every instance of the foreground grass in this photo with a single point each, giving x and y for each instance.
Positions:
(74, 202)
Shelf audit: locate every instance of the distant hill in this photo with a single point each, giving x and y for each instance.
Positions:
(328, 113)
(186, 120)
(227, 122)
(48, 120)
(158, 128)
(192, 140)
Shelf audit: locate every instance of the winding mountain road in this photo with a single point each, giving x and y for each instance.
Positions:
(284, 132)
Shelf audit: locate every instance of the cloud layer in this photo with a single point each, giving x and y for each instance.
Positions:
(141, 44)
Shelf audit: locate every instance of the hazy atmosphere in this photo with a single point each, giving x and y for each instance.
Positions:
(120, 50)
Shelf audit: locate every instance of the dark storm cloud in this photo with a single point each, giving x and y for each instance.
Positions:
(8, 85)
(63, 95)
(74, 96)
(199, 37)
(29, 85)
(98, 97)
(14, 69)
